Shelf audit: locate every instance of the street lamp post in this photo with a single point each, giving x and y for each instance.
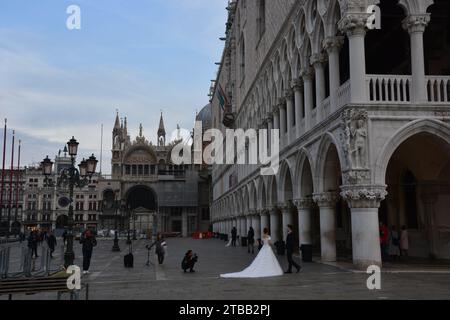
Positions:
(127, 208)
(71, 177)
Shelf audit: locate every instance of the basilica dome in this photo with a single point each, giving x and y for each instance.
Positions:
(205, 116)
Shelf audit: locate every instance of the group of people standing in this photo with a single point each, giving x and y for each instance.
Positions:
(392, 243)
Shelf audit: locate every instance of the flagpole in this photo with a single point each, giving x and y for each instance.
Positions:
(11, 178)
(101, 151)
(17, 182)
(3, 172)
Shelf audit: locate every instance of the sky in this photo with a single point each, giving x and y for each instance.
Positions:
(140, 57)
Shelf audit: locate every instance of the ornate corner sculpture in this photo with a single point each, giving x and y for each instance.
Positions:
(354, 138)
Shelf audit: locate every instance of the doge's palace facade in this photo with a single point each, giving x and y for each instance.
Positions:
(364, 120)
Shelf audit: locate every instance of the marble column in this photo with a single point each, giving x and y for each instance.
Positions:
(256, 224)
(307, 76)
(282, 113)
(275, 225)
(297, 86)
(276, 119)
(248, 223)
(289, 95)
(364, 202)
(354, 25)
(265, 221)
(287, 218)
(415, 25)
(333, 45)
(304, 206)
(318, 62)
(327, 205)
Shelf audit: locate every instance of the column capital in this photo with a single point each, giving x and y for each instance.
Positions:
(263, 212)
(281, 102)
(326, 199)
(354, 23)
(416, 22)
(332, 43)
(289, 94)
(304, 203)
(269, 116)
(307, 74)
(297, 84)
(317, 59)
(363, 196)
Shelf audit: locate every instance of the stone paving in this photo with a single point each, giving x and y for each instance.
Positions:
(109, 280)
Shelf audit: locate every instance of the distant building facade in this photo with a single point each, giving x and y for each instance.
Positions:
(145, 191)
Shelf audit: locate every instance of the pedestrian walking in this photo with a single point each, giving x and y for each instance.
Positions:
(88, 241)
(51, 242)
(33, 243)
(394, 244)
(233, 236)
(251, 240)
(384, 237)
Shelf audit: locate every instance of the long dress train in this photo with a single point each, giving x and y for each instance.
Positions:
(265, 265)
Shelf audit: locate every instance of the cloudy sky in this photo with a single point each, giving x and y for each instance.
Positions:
(138, 56)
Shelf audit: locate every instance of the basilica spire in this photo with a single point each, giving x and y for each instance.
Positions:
(161, 132)
(117, 123)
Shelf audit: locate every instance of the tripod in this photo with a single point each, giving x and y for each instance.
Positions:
(148, 263)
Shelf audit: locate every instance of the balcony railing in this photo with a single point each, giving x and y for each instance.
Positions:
(343, 95)
(438, 89)
(389, 88)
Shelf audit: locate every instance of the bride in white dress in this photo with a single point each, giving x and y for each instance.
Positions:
(265, 264)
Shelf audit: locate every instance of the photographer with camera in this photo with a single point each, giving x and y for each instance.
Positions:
(189, 261)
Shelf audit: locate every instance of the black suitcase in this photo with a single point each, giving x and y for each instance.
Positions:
(128, 260)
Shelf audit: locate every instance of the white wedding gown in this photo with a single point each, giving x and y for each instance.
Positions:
(265, 265)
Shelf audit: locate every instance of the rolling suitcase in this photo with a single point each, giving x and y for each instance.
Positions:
(128, 260)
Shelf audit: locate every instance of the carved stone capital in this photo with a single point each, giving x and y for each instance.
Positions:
(326, 199)
(307, 74)
(318, 59)
(289, 94)
(356, 176)
(354, 23)
(363, 196)
(281, 102)
(297, 84)
(269, 116)
(332, 43)
(416, 22)
(303, 203)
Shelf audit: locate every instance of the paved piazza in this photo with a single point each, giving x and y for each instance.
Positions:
(111, 281)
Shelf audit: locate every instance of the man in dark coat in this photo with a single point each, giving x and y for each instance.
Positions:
(88, 241)
(251, 240)
(33, 243)
(233, 236)
(290, 245)
(51, 242)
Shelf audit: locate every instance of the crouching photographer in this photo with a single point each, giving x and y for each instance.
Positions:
(190, 259)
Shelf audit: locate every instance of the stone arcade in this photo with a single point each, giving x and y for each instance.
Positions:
(363, 117)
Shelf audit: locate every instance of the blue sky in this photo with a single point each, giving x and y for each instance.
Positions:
(138, 56)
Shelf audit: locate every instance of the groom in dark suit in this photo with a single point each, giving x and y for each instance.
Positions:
(290, 245)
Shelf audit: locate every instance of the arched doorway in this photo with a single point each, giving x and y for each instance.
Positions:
(418, 180)
(142, 207)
